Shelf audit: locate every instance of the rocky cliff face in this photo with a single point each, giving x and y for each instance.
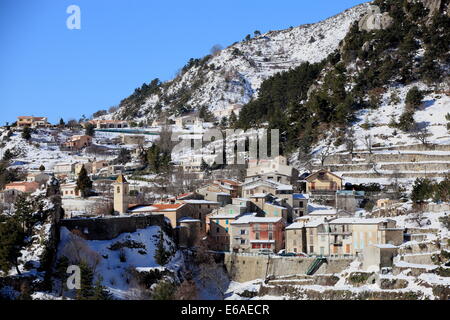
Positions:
(375, 20)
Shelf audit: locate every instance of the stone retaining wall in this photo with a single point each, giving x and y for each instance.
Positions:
(243, 268)
(110, 228)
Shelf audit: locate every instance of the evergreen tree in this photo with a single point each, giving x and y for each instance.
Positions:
(8, 155)
(165, 290)
(232, 121)
(84, 183)
(100, 292)
(62, 124)
(224, 122)
(86, 290)
(423, 189)
(11, 243)
(124, 156)
(41, 168)
(89, 129)
(161, 255)
(414, 98)
(26, 133)
(205, 114)
(406, 121)
(61, 272)
(24, 212)
(204, 166)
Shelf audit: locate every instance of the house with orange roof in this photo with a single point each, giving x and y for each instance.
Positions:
(78, 142)
(33, 122)
(23, 186)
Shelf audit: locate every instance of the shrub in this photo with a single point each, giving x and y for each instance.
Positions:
(164, 290)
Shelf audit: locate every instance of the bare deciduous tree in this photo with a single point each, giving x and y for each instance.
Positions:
(368, 142)
(421, 134)
(77, 251)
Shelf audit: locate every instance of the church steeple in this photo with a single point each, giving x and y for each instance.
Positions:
(121, 191)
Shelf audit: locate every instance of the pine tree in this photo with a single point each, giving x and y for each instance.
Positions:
(11, 243)
(204, 166)
(26, 133)
(100, 292)
(84, 183)
(232, 121)
(165, 290)
(86, 290)
(89, 129)
(24, 211)
(8, 155)
(62, 123)
(423, 189)
(414, 98)
(161, 255)
(42, 168)
(61, 272)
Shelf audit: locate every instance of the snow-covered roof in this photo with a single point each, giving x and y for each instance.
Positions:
(385, 246)
(254, 219)
(296, 225)
(200, 202)
(188, 220)
(358, 221)
(262, 241)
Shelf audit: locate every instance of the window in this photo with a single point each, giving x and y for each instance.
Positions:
(242, 231)
(256, 227)
(257, 235)
(242, 241)
(118, 189)
(226, 221)
(311, 249)
(226, 229)
(270, 235)
(301, 204)
(270, 227)
(295, 250)
(217, 230)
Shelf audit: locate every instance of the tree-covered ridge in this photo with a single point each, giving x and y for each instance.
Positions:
(306, 102)
(134, 102)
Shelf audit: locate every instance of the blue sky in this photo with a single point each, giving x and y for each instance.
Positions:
(48, 70)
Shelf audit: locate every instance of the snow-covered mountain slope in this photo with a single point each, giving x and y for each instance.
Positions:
(234, 75)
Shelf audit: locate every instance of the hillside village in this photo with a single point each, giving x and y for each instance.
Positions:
(143, 205)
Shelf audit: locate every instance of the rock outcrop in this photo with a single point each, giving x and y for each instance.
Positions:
(375, 20)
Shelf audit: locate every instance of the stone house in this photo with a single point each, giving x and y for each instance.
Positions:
(64, 168)
(78, 142)
(296, 238)
(276, 169)
(109, 124)
(240, 234)
(69, 190)
(23, 186)
(299, 205)
(32, 122)
(39, 177)
(322, 185)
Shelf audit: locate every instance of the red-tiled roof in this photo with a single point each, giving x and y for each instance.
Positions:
(167, 206)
